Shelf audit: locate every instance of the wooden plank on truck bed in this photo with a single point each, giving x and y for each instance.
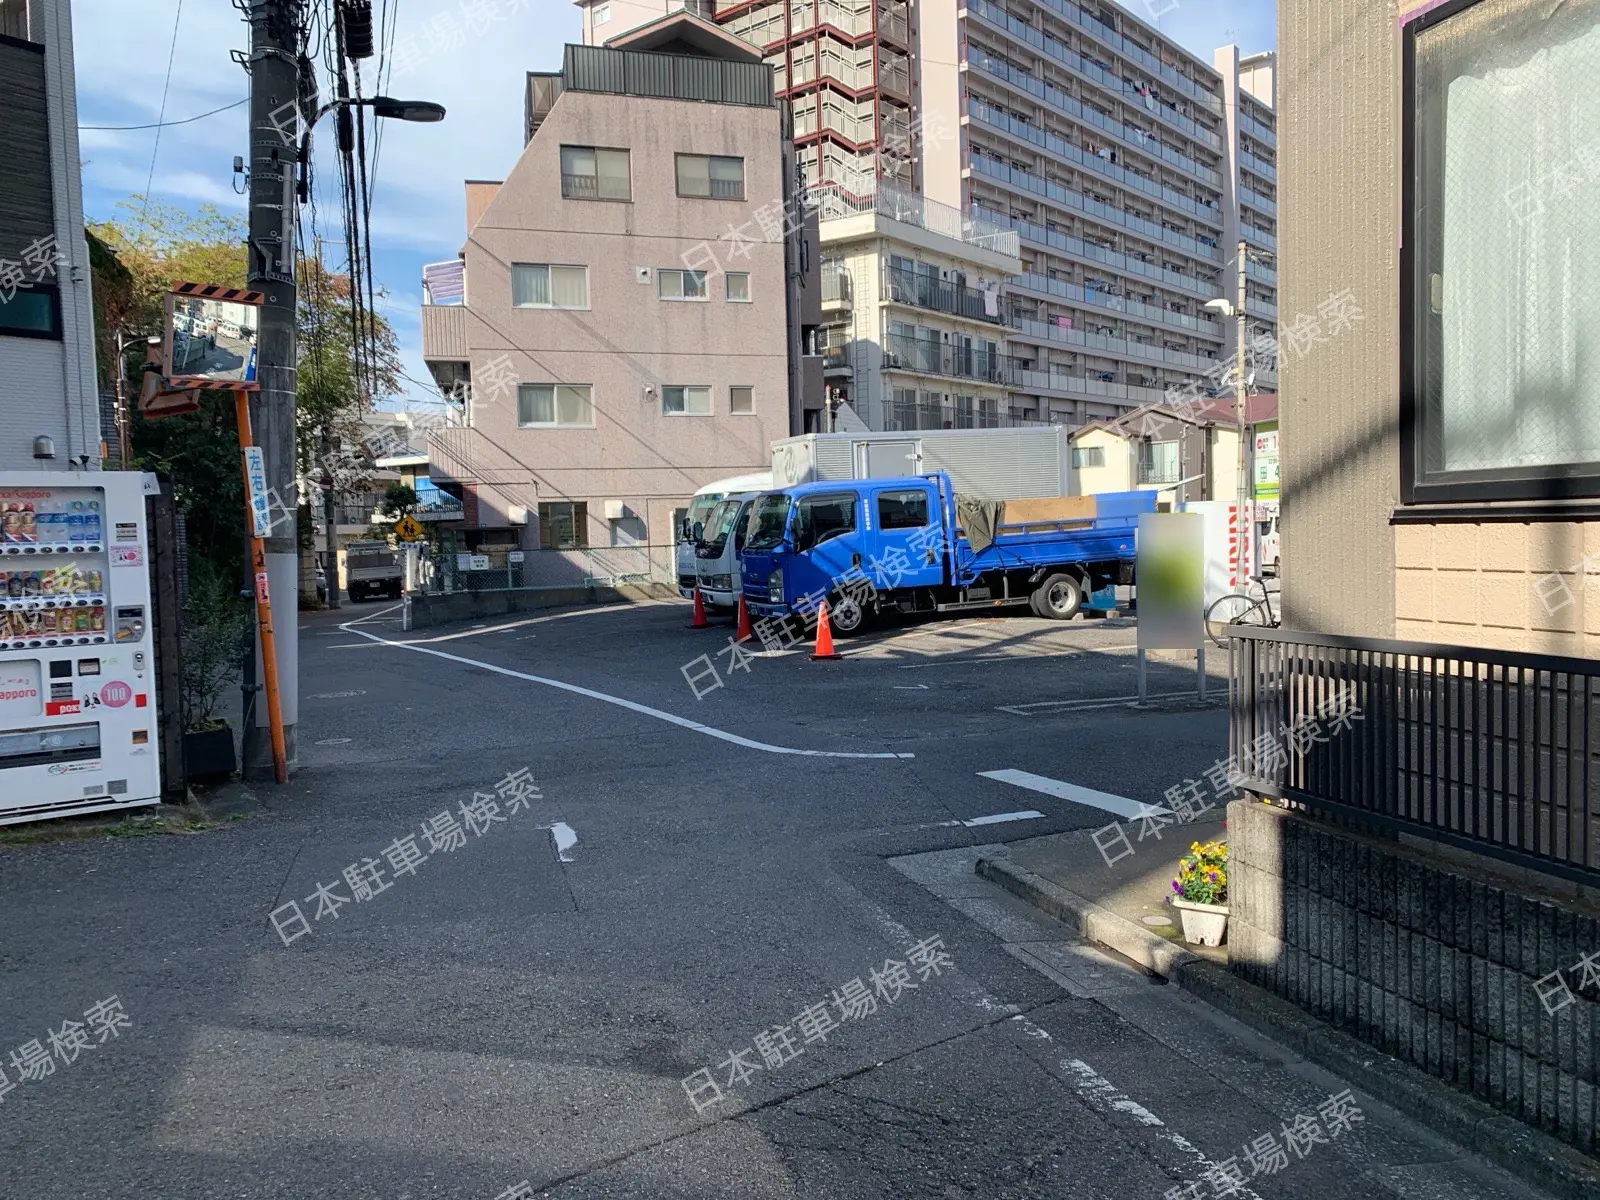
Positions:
(1048, 510)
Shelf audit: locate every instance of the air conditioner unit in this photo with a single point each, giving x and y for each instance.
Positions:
(891, 359)
(616, 510)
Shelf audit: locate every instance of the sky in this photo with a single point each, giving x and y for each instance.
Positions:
(418, 208)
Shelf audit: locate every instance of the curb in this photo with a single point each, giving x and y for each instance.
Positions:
(1526, 1152)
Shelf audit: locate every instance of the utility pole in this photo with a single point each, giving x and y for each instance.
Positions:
(275, 117)
(1245, 518)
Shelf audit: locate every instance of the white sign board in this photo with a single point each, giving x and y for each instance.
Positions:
(480, 562)
(514, 556)
(19, 689)
(463, 562)
(255, 473)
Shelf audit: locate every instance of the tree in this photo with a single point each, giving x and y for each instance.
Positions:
(398, 500)
(136, 257)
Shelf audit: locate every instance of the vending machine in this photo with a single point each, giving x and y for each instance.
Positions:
(77, 651)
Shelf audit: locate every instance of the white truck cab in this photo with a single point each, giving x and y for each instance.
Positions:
(717, 551)
(694, 521)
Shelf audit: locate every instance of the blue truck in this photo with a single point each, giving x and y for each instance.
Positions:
(871, 546)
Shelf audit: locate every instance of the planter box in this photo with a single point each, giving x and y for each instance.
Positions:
(1203, 924)
(208, 753)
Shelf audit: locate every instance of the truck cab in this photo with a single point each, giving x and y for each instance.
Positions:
(717, 550)
(692, 527)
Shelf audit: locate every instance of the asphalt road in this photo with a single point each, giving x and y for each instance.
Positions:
(693, 873)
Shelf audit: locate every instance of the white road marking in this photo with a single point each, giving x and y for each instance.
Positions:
(1120, 805)
(336, 695)
(631, 705)
(1047, 706)
(565, 839)
(1001, 818)
(333, 741)
(1103, 1096)
(910, 687)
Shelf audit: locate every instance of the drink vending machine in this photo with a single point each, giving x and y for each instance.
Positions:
(77, 649)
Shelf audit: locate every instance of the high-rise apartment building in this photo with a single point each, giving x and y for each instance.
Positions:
(1129, 167)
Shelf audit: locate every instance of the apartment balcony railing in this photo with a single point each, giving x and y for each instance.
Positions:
(444, 333)
(1156, 474)
(1115, 41)
(1015, 177)
(894, 74)
(594, 187)
(1134, 308)
(1112, 346)
(1493, 751)
(1126, 263)
(941, 295)
(995, 118)
(1260, 272)
(1084, 385)
(846, 19)
(1258, 201)
(1092, 70)
(853, 76)
(925, 411)
(1004, 71)
(892, 23)
(1260, 237)
(1259, 165)
(1258, 131)
(857, 128)
(845, 198)
(930, 356)
(837, 288)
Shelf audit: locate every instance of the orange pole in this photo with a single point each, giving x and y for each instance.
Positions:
(258, 563)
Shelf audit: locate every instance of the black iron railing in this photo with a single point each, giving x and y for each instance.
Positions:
(941, 295)
(1489, 750)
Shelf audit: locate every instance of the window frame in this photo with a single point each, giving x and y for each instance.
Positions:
(601, 14)
(705, 286)
(1080, 452)
(727, 287)
(1547, 482)
(710, 193)
(741, 412)
(685, 389)
(801, 504)
(555, 407)
(580, 528)
(587, 304)
(596, 151)
(52, 294)
(901, 494)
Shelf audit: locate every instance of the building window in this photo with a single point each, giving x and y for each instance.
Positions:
(903, 510)
(1088, 456)
(679, 401)
(564, 525)
(588, 173)
(539, 285)
(673, 284)
(32, 312)
(739, 286)
(1500, 351)
(555, 406)
(1159, 462)
(710, 177)
(602, 13)
(741, 400)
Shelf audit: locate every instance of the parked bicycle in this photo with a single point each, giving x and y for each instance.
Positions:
(1241, 608)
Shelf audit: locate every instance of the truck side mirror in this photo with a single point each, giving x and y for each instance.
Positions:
(699, 528)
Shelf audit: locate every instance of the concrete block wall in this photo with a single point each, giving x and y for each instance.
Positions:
(1426, 959)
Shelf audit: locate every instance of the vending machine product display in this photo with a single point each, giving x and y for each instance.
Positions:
(77, 650)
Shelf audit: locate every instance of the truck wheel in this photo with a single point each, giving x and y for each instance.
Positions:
(1059, 597)
(847, 615)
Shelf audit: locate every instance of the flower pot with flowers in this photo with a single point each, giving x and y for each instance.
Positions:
(1200, 893)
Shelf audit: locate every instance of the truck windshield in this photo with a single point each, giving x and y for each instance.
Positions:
(769, 521)
(719, 525)
(699, 509)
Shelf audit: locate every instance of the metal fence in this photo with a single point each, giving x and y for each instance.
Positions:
(1493, 751)
(605, 566)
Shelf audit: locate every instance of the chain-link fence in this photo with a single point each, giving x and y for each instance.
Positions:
(502, 568)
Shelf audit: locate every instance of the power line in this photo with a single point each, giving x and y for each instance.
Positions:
(172, 54)
(166, 124)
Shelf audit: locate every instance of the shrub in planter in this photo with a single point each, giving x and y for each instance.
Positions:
(216, 626)
(1200, 893)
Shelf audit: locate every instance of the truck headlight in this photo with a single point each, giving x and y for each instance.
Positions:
(722, 583)
(775, 587)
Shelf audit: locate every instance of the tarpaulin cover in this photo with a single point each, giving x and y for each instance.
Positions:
(979, 518)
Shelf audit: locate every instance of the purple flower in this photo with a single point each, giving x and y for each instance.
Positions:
(1211, 875)
(1176, 886)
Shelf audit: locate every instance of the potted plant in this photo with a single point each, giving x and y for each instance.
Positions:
(215, 625)
(1200, 893)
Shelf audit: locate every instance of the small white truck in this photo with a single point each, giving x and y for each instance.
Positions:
(371, 570)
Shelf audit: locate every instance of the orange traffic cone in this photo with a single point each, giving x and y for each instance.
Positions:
(824, 647)
(743, 633)
(699, 621)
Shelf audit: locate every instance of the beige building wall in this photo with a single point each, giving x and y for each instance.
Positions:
(939, 99)
(1346, 569)
(1115, 475)
(629, 340)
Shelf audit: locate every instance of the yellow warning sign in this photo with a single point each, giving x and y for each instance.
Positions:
(408, 529)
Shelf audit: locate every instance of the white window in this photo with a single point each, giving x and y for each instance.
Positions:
(555, 405)
(686, 401)
(711, 177)
(602, 13)
(739, 286)
(1088, 456)
(673, 284)
(588, 173)
(741, 400)
(541, 285)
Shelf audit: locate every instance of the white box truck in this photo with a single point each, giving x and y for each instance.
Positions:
(994, 464)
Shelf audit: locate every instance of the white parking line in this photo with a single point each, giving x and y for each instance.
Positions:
(1120, 805)
(1000, 818)
(631, 705)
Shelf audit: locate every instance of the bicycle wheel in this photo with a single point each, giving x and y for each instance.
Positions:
(1229, 611)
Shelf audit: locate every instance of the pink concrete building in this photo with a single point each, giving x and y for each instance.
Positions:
(610, 378)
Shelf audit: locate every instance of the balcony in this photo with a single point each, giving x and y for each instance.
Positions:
(444, 333)
(931, 356)
(940, 295)
(839, 199)
(837, 288)
(893, 25)
(1101, 298)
